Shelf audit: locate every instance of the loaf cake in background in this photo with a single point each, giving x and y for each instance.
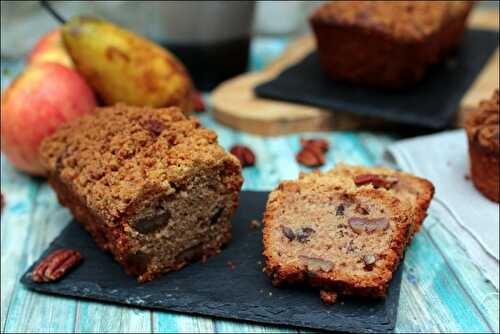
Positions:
(342, 237)
(484, 147)
(150, 185)
(386, 44)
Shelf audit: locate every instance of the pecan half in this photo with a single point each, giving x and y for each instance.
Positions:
(244, 155)
(328, 297)
(55, 265)
(360, 224)
(198, 104)
(321, 145)
(384, 181)
(311, 157)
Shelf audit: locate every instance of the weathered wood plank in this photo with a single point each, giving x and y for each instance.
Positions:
(227, 326)
(16, 220)
(94, 317)
(483, 293)
(29, 311)
(432, 300)
(346, 147)
(169, 322)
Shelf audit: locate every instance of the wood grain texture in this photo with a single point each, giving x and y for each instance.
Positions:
(442, 291)
(236, 105)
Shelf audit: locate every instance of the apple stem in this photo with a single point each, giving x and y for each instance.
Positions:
(45, 4)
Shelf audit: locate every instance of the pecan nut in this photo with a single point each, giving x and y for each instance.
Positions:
(360, 225)
(244, 155)
(384, 181)
(321, 145)
(328, 297)
(55, 265)
(311, 157)
(198, 104)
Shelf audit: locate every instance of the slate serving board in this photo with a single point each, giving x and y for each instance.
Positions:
(215, 288)
(431, 104)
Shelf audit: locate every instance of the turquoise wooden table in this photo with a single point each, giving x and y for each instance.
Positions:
(442, 291)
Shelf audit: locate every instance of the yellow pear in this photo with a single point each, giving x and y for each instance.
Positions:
(122, 66)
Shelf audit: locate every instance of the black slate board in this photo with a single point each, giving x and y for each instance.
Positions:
(430, 104)
(213, 288)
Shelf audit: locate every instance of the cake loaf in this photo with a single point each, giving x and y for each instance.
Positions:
(150, 185)
(387, 44)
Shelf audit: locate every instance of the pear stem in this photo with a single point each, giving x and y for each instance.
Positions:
(45, 4)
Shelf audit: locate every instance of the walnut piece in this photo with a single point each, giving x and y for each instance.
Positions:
(244, 155)
(368, 225)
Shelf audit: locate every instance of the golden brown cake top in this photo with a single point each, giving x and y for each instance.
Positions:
(402, 20)
(118, 154)
(482, 125)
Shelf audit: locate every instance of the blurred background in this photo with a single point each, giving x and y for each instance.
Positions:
(204, 34)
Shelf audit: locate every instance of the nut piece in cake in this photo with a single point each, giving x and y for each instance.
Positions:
(482, 128)
(388, 44)
(314, 232)
(150, 185)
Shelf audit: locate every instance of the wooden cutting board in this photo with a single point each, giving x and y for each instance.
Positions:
(235, 104)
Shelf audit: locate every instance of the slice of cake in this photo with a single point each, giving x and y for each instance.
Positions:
(415, 190)
(326, 231)
(150, 185)
(343, 231)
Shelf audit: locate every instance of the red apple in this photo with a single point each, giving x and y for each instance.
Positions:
(42, 98)
(50, 48)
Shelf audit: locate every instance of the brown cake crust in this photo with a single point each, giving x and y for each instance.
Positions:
(386, 44)
(307, 238)
(150, 185)
(484, 148)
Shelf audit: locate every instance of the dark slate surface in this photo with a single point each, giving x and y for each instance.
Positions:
(430, 104)
(214, 289)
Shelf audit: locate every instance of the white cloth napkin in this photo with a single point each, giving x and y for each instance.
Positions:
(443, 159)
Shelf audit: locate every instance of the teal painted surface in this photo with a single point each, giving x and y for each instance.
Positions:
(442, 291)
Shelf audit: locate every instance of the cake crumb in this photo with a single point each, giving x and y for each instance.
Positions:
(467, 177)
(231, 264)
(328, 297)
(255, 224)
